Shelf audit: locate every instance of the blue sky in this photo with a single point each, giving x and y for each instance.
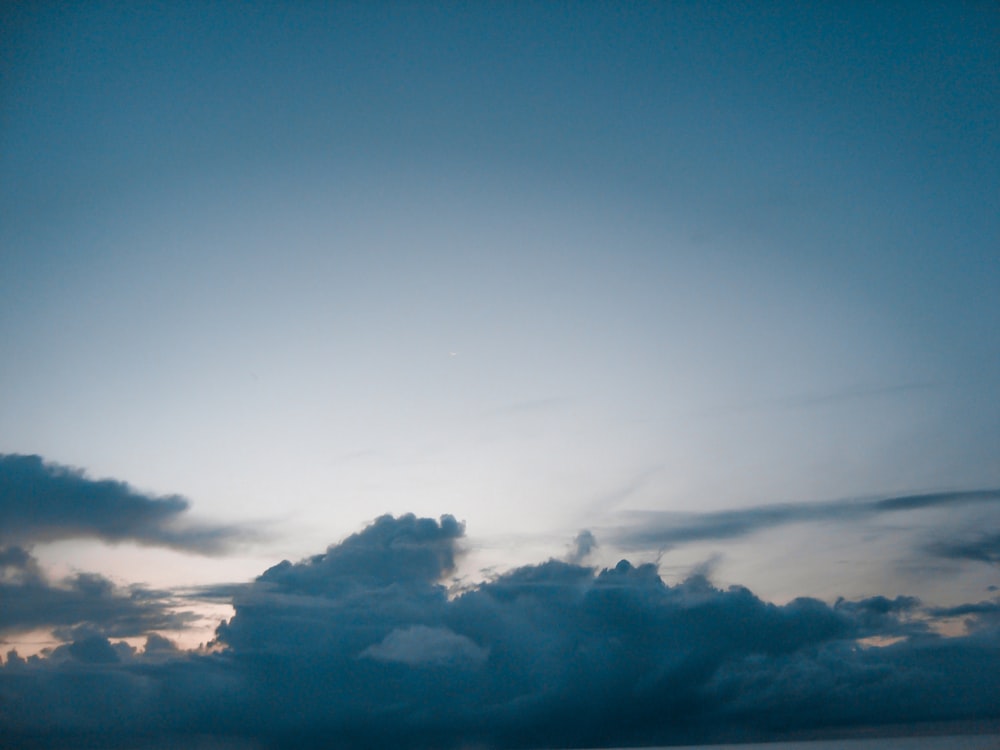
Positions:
(709, 280)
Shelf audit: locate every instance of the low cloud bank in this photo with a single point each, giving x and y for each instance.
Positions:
(361, 646)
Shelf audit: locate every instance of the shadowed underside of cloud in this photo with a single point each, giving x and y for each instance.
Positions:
(362, 646)
(664, 530)
(45, 502)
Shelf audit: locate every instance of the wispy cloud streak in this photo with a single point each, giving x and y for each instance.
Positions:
(665, 529)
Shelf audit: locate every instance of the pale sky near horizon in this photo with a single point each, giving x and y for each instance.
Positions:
(538, 266)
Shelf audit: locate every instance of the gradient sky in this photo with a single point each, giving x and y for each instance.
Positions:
(709, 280)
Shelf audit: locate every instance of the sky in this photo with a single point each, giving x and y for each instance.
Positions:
(629, 361)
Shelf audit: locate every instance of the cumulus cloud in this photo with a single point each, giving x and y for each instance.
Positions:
(45, 502)
(392, 550)
(362, 646)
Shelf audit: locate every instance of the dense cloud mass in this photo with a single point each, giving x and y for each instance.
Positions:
(363, 646)
(45, 502)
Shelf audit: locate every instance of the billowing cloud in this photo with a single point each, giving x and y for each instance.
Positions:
(392, 550)
(45, 502)
(664, 530)
(362, 646)
(385, 577)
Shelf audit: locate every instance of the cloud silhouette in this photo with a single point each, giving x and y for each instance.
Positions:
(362, 646)
(45, 502)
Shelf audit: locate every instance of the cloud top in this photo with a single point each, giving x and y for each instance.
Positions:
(405, 549)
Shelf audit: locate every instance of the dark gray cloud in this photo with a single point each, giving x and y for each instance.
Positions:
(382, 578)
(82, 603)
(962, 610)
(977, 617)
(979, 547)
(45, 502)
(362, 646)
(881, 616)
(663, 530)
(392, 550)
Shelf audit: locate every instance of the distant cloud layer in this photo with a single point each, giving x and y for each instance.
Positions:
(362, 646)
(665, 529)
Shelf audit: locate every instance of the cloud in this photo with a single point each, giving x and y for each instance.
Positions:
(979, 547)
(977, 617)
(364, 646)
(392, 550)
(45, 502)
(884, 617)
(980, 608)
(82, 603)
(664, 530)
(584, 543)
(385, 577)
